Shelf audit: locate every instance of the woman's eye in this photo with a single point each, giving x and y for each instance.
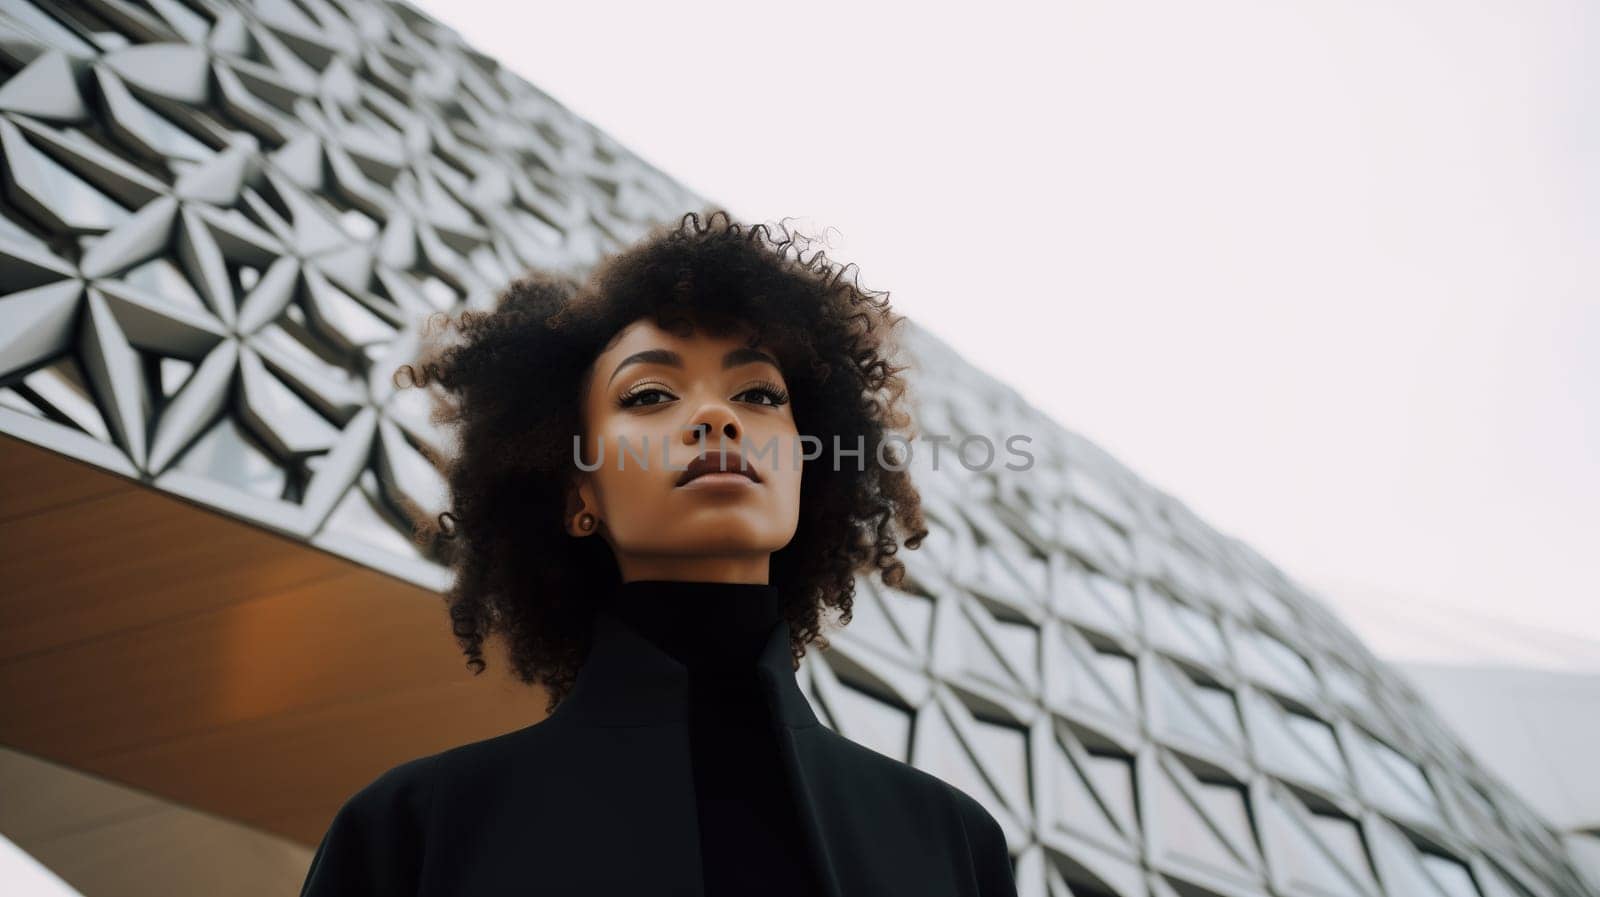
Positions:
(769, 396)
(638, 397)
(773, 395)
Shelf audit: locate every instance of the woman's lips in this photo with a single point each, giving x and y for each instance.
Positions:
(720, 480)
(718, 464)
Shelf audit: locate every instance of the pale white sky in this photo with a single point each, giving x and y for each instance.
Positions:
(1326, 272)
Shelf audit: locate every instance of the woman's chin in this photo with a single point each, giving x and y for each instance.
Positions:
(725, 535)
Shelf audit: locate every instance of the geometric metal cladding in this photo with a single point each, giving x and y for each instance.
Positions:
(1147, 705)
(222, 225)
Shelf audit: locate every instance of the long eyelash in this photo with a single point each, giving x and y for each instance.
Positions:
(639, 389)
(780, 396)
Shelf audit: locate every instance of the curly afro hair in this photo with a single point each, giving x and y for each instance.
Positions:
(510, 390)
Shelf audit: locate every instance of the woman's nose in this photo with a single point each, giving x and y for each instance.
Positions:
(712, 421)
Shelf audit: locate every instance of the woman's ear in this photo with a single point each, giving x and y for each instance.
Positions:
(580, 512)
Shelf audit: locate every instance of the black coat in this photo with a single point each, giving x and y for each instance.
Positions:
(598, 799)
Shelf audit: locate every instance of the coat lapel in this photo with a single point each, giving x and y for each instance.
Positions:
(790, 712)
(812, 821)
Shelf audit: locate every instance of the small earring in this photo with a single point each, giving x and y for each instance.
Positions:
(586, 521)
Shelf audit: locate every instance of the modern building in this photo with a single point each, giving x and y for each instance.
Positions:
(221, 226)
(1526, 699)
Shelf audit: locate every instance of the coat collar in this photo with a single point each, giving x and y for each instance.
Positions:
(627, 681)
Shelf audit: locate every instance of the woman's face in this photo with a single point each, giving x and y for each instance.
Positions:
(652, 391)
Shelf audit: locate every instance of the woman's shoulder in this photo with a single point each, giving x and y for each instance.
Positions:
(412, 782)
(402, 786)
(373, 842)
(876, 769)
(870, 776)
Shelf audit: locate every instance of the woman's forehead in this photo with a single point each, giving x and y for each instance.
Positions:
(647, 333)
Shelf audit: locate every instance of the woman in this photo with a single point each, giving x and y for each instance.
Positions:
(661, 575)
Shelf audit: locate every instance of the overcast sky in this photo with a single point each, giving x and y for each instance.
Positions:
(1326, 272)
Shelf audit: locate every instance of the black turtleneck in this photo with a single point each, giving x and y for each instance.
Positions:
(750, 838)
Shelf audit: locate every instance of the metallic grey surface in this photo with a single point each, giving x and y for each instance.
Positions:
(222, 225)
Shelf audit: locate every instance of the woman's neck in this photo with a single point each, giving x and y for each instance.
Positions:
(699, 623)
(739, 567)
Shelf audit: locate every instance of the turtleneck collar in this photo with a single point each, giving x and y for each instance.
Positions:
(650, 637)
(702, 625)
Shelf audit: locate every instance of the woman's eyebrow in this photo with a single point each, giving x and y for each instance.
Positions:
(747, 355)
(741, 355)
(649, 356)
